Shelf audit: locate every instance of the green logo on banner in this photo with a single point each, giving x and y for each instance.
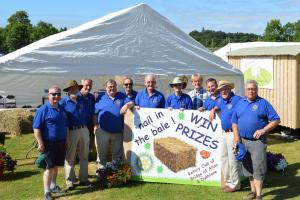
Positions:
(263, 78)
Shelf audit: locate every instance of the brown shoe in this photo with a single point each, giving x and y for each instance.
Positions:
(229, 189)
(258, 198)
(251, 195)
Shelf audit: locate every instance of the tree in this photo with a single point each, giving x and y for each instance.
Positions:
(17, 36)
(273, 31)
(297, 32)
(288, 31)
(17, 31)
(19, 17)
(3, 49)
(42, 30)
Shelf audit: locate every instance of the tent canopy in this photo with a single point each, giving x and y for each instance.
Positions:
(136, 40)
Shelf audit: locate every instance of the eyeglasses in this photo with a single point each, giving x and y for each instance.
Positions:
(128, 84)
(55, 94)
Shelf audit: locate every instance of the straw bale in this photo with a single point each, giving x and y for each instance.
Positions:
(16, 121)
(174, 153)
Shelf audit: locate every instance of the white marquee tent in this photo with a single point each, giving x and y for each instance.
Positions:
(133, 41)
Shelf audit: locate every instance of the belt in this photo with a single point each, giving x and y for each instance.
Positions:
(75, 127)
(228, 131)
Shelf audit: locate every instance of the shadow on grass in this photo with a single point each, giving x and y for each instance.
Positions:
(96, 187)
(287, 181)
(13, 176)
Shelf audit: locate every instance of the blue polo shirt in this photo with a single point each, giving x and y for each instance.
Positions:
(132, 96)
(108, 112)
(157, 100)
(52, 122)
(210, 103)
(177, 102)
(76, 111)
(90, 107)
(252, 116)
(227, 107)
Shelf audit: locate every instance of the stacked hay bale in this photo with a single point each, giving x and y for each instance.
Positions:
(16, 121)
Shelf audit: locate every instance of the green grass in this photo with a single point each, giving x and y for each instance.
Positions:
(26, 181)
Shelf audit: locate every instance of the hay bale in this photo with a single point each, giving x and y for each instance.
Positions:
(16, 121)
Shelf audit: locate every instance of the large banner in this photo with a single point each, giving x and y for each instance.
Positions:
(175, 146)
(259, 69)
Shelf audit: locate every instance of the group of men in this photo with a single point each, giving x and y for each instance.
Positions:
(65, 127)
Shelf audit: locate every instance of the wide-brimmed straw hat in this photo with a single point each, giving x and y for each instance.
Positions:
(223, 84)
(72, 83)
(179, 80)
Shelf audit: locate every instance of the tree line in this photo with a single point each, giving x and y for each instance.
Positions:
(19, 32)
(274, 32)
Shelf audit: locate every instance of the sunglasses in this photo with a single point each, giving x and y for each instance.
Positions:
(128, 84)
(55, 94)
(178, 84)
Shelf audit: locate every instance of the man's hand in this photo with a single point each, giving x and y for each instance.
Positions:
(201, 109)
(41, 147)
(137, 107)
(212, 115)
(96, 126)
(236, 140)
(259, 133)
(124, 109)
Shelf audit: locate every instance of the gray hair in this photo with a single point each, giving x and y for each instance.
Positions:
(111, 81)
(150, 76)
(252, 82)
(54, 88)
(197, 75)
(86, 79)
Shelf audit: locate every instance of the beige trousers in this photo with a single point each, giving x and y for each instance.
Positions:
(231, 168)
(103, 138)
(78, 141)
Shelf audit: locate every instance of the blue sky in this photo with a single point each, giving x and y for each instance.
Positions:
(249, 16)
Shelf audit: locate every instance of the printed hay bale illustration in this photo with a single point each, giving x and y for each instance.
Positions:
(175, 154)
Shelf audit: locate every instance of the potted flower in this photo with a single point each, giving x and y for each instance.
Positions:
(115, 174)
(276, 162)
(6, 161)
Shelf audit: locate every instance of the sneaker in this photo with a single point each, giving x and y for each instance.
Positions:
(56, 189)
(251, 195)
(87, 183)
(48, 196)
(258, 198)
(70, 186)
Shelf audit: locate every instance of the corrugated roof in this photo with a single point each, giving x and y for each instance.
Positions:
(293, 50)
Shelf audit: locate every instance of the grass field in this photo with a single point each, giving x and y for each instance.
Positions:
(26, 181)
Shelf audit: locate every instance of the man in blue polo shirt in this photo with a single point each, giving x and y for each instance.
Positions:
(214, 95)
(150, 97)
(50, 130)
(128, 88)
(178, 100)
(109, 123)
(253, 118)
(198, 94)
(229, 165)
(89, 98)
(78, 138)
